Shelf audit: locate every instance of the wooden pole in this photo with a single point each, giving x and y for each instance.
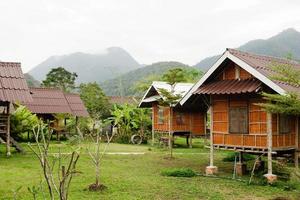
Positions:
(152, 126)
(76, 124)
(8, 153)
(211, 158)
(269, 142)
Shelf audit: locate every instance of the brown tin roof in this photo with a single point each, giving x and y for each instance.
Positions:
(48, 101)
(13, 86)
(230, 87)
(263, 63)
(53, 101)
(76, 105)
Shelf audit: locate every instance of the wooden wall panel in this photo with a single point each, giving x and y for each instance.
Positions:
(220, 114)
(198, 124)
(244, 74)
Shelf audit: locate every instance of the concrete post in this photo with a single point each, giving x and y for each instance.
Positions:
(270, 176)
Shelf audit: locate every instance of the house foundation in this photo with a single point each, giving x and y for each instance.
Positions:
(211, 170)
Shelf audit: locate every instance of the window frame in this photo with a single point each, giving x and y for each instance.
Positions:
(246, 112)
(160, 115)
(288, 124)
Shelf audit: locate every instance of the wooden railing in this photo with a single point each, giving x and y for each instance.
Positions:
(255, 141)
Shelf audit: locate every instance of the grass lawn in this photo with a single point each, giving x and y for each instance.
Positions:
(138, 176)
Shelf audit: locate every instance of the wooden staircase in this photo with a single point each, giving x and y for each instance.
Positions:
(3, 133)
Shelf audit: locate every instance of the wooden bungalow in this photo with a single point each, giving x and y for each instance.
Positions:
(175, 120)
(231, 89)
(13, 89)
(48, 102)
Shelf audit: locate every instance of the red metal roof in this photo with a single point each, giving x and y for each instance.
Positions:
(13, 86)
(48, 101)
(263, 64)
(230, 87)
(76, 105)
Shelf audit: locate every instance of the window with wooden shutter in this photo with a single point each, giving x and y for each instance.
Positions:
(160, 115)
(179, 118)
(284, 124)
(238, 120)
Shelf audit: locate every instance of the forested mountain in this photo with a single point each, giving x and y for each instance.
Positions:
(123, 85)
(31, 82)
(280, 45)
(89, 67)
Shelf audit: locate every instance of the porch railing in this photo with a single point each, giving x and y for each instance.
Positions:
(253, 140)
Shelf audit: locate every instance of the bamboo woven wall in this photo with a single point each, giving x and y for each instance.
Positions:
(192, 121)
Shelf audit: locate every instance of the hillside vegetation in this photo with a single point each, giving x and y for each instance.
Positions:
(124, 84)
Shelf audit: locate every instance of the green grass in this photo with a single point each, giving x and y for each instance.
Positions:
(138, 176)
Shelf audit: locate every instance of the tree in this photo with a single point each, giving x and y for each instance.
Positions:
(175, 75)
(96, 155)
(61, 78)
(57, 170)
(288, 104)
(94, 99)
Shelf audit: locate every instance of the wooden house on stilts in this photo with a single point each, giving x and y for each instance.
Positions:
(231, 89)
(48, 102)
(174, 120)
(13, 89)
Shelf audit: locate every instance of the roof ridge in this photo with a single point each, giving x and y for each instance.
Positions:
(264, 56)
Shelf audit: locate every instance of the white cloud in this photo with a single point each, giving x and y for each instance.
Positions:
(151, 31)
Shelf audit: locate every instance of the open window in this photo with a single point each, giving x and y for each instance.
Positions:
(160, 115)
(238, 120)
(284, 124)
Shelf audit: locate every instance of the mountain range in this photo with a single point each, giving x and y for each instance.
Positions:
(280, 45)
(117, 69)
(113, 62)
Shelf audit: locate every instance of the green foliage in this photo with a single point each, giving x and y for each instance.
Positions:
(288, 104)
(231, 157)
(170, 99)
(136, 82)
(181, 172)
(284, 104)
(129, 120)
(95, 100)
(22, 121)
(60, 78)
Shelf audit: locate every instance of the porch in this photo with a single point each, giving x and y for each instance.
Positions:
(254, 142)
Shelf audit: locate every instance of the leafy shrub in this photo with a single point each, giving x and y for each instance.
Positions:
(22, 121)
(231, 157)
(181, 172)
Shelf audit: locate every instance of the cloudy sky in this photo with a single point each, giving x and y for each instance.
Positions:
(150, 30)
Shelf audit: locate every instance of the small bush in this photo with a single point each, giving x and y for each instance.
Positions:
(231, 157)
(182, 172)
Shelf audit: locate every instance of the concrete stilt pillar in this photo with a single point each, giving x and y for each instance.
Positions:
(271, 178)
(211, 169)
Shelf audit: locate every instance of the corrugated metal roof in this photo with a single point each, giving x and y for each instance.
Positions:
(13, 86)
(48, 101)
(76, 105)
(230, 87)
(263, 64)
(53, 100)
(154, 90)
